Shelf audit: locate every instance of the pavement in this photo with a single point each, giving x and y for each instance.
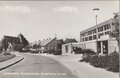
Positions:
(82, 69)
(11, 62)
(41, 64)
(37, 66)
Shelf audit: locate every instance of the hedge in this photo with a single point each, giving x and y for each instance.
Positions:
(109, 62)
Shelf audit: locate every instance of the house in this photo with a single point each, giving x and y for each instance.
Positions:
(106, 44)
(51, 45)
(11, 43)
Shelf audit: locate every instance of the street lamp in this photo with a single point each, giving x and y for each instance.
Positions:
(96, 15)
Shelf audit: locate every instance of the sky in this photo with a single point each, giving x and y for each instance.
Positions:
(38, 20)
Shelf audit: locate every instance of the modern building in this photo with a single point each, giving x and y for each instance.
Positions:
(106, 44)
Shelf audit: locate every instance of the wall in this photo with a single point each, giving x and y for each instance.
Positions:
(91, 45)
(112, 45)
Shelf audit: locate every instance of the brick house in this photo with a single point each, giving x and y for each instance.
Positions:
(10, 43)
(51, 44)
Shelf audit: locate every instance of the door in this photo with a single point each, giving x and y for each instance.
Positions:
(99, 46)
(105, 47)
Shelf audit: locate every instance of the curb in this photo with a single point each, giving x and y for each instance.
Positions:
(10, 64)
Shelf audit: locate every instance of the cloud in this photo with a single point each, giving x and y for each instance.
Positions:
(22, 9)
(67, 9)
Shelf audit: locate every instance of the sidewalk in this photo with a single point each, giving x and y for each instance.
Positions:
(10, 62)
(82, 69)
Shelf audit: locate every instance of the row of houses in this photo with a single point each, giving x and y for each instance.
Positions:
(50, 44)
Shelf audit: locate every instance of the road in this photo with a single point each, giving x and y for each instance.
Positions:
(34, 66)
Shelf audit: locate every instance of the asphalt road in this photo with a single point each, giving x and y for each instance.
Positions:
(36, 66)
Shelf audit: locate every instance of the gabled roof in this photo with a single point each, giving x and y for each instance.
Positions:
(47, 41)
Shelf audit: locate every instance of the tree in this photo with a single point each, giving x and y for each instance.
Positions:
(116, 33)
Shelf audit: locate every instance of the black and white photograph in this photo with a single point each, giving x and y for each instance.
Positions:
(59, 38)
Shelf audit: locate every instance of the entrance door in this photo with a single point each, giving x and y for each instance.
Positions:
(105, 47)
(99, 46)
(66, 48)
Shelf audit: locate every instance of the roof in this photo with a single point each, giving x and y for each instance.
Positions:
(99, 25)
(61, 41)
(11, 39)
(70, 40)
(47, 41)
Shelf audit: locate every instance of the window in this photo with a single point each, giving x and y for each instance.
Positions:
(107, 32)
(94, 31)
(89, 32)
(90, 37)
(86, 38)
(94, 37)
(105, 28)
(100, 29)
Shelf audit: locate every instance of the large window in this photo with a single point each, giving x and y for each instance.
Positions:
(107, 32)
(86, 38)
(100, 29)
(94, 37)
(89, 32)
(94, 31)
(90, 37)
(106, 27)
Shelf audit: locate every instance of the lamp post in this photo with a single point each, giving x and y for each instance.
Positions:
(96, 15)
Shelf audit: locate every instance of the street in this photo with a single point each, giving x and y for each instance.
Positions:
(33, 66)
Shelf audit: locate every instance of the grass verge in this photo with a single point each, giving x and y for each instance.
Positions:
(6, 57)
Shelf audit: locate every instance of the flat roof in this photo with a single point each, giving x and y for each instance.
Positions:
(99, 25)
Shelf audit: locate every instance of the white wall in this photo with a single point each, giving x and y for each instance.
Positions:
(91, 45)
(112, 46)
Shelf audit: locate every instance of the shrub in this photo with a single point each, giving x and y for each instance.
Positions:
(57, 52)
(25, 51)
(109, 62)
(78, 51)
(51, 51)
(89, 51)
(35, 51)
(100, 61)
(114, 62)
(5, 53)
(86, 59)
